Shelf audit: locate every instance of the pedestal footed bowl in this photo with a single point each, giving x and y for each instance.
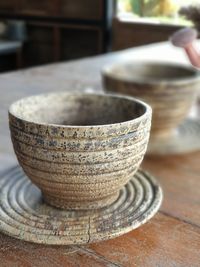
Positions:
(79, 149)
(168, 88)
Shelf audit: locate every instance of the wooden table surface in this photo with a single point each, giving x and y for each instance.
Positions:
(170, 239)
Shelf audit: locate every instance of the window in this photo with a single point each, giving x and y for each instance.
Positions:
(158, 11)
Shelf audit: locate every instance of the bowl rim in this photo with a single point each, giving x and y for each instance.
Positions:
(147, 112)
(107, 72)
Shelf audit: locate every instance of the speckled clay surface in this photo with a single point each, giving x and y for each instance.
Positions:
(25, 216)
(169, 89)
(80, 149)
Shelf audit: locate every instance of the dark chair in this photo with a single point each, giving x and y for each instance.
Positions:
(12, 37)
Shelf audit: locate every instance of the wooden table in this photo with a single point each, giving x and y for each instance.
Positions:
(171, 238)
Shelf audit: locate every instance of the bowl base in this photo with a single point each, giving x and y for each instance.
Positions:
(186, 138)
(25, 216)
(75, 205)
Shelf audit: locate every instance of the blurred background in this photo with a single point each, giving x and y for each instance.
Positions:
(37, 32)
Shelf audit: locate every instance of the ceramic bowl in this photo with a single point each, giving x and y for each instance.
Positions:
(79, 149)
(168, 88)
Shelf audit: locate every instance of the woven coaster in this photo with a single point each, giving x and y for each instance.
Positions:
(25, 216)
(186, 139)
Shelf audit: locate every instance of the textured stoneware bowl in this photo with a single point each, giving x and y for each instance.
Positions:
(168, 88)
(79, 149)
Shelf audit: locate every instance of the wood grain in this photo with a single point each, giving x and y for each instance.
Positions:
(180, 178)
(21, 254)
(162, 242)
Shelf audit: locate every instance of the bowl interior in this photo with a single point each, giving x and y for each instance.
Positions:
(151, 72)
(77, 109)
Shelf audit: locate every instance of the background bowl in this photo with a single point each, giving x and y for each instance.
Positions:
(169, 88)
(79, 149)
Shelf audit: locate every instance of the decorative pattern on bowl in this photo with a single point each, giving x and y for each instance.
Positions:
(80, 149)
